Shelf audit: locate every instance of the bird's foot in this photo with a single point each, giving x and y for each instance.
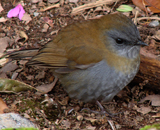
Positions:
(102, 112)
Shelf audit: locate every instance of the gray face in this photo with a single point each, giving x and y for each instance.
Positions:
(124, 41)
(122, 36)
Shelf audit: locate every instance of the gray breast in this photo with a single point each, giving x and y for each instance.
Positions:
(99, 82)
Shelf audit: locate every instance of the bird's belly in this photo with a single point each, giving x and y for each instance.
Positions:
(99, 82)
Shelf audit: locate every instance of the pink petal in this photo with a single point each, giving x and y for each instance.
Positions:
(13, 12)
(21, 13)
(18, 11)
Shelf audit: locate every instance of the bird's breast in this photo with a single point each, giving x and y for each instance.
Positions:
(99, 82)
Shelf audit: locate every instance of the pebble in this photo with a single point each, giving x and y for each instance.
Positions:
(12, 120)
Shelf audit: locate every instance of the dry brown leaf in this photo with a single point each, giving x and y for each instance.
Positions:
(3, 75)
(157, 115)
(40, 75)
(45, 27)
(53, 1)
(2, 106)
(3, 61)
(146, 53)
(91, 119)
(46, 88)
(79, 117)
(148, 5)
(22, 34)
(48, 21)
(157, 35)
(89, 127)
(155, 99)
(30, 77)
(27, 18)
(73, 1)
(35, 1)
(144, 110)
(4, 42)
(2, 19)
(66, 124)
(9, 67)
(1, 8)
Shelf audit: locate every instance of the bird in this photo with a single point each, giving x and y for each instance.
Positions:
(93, 59)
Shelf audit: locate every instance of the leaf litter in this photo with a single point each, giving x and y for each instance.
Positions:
(51, 113)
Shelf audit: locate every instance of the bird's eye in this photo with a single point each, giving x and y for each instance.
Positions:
(119, 40)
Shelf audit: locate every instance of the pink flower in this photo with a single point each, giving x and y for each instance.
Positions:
(18, 11)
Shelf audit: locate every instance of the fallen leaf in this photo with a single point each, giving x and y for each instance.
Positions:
(91, 119)
(155, 99)
(2, 106)
(148, 5)
(2, 19)
(124, 8)
(144, 110)
(157, 115)
(9, 85)
(48, 21)
(157, 35)
(46, 88)
(45, 28)
(27, 18)
(4, 42)
(22, 34)
(40, 75)
(89, 127)
(3, 61)
(53, 1)
(3, 75)
(9, 67)
(30, 77)
(35, 1)
(73, 1)
(1, 8)
(66, 124)
(79, 117)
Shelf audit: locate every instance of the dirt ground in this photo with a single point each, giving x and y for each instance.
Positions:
(55, 110)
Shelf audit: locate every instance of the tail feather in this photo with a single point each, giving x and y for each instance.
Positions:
(23, 54)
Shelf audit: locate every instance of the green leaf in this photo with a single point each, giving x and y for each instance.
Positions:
(124, 8)
(155, 126)
(10, 85)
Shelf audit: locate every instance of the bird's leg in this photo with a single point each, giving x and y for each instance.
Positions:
(102, 112)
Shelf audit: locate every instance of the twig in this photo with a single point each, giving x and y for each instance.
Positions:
(50, 7)
(91, 5)
(111, 124)
(143, 18)
(135, 18)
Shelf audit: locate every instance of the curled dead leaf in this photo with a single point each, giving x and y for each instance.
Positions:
(155, 99)
(22, 34)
